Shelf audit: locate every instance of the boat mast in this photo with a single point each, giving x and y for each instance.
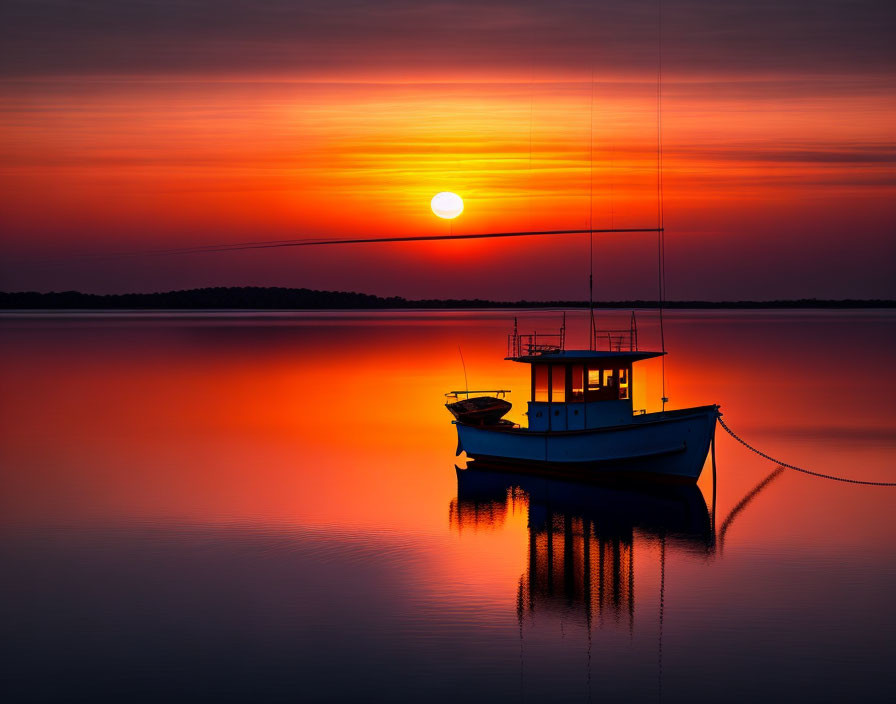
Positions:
(593, 335)
(660, 232)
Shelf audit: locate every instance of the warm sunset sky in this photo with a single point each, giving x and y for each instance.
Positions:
(128, 126)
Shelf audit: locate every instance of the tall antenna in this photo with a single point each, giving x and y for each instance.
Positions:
(593, 334)
(464, 364)
(660, 234)
(531, 44)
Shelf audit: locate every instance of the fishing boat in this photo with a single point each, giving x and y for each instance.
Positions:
(581, 421)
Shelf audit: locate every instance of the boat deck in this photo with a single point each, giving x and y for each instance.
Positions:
(639, 420)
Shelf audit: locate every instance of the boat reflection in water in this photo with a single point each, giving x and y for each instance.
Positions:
(581, 552)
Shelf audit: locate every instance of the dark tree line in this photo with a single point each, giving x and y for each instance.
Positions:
(276, 298)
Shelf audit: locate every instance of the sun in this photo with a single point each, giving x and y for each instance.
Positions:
(447, 205)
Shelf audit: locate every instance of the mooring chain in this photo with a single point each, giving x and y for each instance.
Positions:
(798, 469)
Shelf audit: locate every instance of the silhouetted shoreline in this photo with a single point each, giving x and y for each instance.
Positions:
(259, 298)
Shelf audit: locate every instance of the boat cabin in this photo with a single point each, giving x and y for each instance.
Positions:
(578, 389)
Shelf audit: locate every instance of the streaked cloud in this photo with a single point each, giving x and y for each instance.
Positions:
(414, 39)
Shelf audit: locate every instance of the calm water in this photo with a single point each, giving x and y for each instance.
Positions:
(266, 507)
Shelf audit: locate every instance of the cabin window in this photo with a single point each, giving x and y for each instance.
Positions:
(608, 384)
(539, 382)
(623, 383)
(593, 387)
(577, 383)
(558, 383)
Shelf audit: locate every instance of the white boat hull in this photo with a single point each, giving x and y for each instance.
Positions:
(669, 446)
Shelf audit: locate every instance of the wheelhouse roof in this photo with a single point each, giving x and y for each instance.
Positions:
(585, 356)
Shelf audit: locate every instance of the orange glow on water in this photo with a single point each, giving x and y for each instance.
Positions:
(337, 418)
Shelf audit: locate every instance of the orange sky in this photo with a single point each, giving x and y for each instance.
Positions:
(778, 182)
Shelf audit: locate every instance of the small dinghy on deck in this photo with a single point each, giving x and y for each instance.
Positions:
(478, 410)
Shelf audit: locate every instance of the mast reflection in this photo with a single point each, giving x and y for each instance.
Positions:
(581, 537)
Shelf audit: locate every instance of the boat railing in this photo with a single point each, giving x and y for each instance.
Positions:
(531, 345)
(500, 393)
(616, 340)
(619, 340)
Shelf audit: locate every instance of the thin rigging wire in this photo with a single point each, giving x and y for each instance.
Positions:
(312, 242)
(591, 218)
(660, 215)
(531, 43)
(466, 382)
